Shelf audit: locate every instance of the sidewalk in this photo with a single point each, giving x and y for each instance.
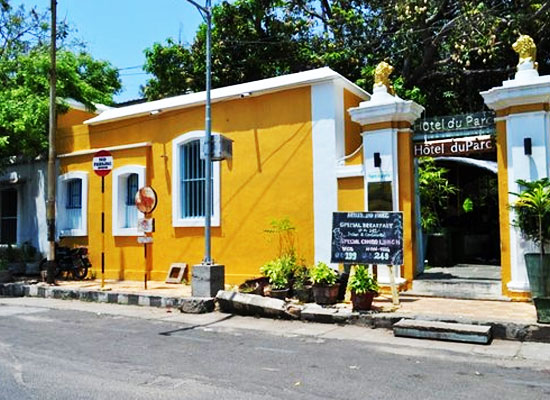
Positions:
(510, 320)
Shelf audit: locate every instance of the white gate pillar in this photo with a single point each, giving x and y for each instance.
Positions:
(386, 122)
(523, 147)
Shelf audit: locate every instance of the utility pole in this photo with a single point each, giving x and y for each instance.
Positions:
(207, 277)
(207, 14)
(50, 203)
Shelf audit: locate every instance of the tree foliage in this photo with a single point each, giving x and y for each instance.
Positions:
(24, 79)
(444, 52)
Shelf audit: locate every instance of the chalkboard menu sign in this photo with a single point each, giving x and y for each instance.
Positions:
(374, 237)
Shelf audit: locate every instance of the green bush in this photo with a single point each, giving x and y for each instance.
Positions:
(278, 271)
(533, 211)
(435, 191)
(361, 281)
(301, 276)
(322, 274)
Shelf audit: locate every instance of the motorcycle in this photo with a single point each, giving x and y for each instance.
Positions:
(73, 261)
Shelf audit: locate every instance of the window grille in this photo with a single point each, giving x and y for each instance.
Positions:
(131, 212)
(74, 204)
(193, 180)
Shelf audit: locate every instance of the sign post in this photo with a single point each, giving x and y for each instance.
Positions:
(373, 237)
(102, 165)
(146, 202)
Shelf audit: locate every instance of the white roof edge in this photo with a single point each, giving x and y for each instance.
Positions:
(77, 105)
(254, 88)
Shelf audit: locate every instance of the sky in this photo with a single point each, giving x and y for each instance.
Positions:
(120, 30)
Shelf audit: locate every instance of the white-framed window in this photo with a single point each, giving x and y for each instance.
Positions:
(188, 182)
(72, 204)
(126, 182)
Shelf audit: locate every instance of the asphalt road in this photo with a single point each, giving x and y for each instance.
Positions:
(64, 350)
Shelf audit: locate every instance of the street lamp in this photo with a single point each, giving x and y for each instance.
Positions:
(207, 278)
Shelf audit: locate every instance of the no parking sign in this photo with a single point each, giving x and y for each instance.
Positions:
(103, 163)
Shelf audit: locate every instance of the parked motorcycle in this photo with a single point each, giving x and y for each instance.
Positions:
(73, 261)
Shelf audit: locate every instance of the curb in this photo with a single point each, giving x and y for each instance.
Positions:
(249, 304)
(190, 305)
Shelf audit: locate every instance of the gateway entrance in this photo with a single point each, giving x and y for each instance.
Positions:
(457, 207)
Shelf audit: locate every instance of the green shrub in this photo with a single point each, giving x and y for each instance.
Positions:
(322, 274)
(301, 276)
(278, 271)
(361, 281)
(533, 211)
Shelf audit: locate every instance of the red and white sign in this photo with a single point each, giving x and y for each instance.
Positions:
(103, 163)
(146, 199)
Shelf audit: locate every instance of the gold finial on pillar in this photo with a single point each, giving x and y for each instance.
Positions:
(527, 51)
(381, 76)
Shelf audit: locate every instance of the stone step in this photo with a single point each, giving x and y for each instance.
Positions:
(459, 288)
(421, 329)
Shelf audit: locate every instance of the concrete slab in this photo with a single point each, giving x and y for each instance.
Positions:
(443, 331)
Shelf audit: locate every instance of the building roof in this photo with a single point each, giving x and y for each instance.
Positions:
(77, 105)
(255, 88)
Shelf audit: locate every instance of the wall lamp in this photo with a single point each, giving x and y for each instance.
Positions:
(527, 146)
(377, 160)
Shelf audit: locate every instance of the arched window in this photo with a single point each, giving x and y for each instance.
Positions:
(126, 182)
(72, 204)
(188, 183)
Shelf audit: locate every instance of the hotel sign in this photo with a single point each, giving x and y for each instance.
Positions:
(455, 123)
(455, 147)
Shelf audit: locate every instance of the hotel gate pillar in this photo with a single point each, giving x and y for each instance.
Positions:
(523, 149)
(386, 122)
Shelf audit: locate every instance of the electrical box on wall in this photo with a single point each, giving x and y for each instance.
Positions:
(222, 148)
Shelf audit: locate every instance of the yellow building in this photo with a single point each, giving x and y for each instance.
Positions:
(295, 155)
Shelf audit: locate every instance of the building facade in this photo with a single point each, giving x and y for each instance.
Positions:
(295, 155)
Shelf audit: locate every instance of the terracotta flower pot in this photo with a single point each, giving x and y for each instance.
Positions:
(325, 295)
(303, 294)
(362, 302)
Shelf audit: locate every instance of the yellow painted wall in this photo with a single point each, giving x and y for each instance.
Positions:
(269, 177)
(351, 194)
(352, 130)
(406, 203)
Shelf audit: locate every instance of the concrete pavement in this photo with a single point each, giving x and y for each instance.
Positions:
(510, 320)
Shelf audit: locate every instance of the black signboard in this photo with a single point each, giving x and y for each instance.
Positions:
(374, 237)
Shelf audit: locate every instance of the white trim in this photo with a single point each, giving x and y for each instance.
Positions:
(256, 88)
(324, 100)
(118, 198)
(339, 121)
(518, 92)
(384, 107)
(177, 221)
(349, 171)
(61, 196)
(112, 148)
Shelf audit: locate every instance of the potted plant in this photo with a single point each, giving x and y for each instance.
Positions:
(277, 272)
(363, 288)
(532, 209)
(325, 288)
(301, 286)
